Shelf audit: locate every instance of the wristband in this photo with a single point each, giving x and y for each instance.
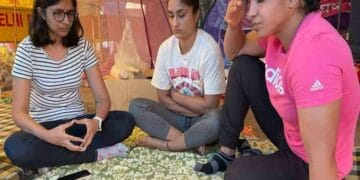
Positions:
(100, 120)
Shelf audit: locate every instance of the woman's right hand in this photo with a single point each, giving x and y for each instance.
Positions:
(59, 137)
(235, 12)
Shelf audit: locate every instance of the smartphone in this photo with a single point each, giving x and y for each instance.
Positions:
(75, 175)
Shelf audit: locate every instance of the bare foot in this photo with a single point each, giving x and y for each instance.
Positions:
(201, 150)
(152, 143)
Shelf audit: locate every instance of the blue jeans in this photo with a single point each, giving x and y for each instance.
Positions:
(27, 151)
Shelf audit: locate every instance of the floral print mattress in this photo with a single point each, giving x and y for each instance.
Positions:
(146, 163)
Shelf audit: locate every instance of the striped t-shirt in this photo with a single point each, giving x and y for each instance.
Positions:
(55, 84)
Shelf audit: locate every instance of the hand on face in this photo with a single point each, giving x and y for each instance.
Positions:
(91, 128)
(235, 12)
(59, 137)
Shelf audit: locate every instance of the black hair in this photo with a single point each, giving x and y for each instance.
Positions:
(312, 5)
(39, 30)
(193, 3)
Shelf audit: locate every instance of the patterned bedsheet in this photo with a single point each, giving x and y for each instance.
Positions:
(7, 127)
(145, 163)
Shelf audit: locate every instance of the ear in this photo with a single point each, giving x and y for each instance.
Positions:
(40, 12)
(197, 15)
(295, 4)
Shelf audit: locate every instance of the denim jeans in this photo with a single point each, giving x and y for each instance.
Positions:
(27, 151)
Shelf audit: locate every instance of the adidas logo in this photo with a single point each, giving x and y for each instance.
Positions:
(316, 86)
(273, 76)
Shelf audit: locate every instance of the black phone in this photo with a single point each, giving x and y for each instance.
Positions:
(75, 175)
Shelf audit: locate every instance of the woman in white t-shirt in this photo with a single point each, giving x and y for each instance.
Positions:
(189, 77)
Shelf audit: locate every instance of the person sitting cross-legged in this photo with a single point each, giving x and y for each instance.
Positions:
(47, 106)
(189, 78)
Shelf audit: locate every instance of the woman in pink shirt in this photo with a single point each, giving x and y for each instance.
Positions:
(311, 82)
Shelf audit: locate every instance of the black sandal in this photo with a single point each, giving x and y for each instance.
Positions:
(245, 149)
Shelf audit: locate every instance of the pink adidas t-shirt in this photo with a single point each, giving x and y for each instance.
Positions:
(318, 69)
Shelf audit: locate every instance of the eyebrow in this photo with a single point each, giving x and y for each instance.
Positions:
(177, 11)
(58, 9)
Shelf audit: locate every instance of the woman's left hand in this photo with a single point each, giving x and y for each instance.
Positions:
(91, 128)
(173, 93)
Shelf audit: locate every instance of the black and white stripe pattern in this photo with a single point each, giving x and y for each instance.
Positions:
(55, 84)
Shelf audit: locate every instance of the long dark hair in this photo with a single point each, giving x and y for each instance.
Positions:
(192, 3)
(312, 5)
(39, 30)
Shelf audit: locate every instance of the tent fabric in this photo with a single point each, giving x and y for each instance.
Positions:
(215, 25)
(104, 23)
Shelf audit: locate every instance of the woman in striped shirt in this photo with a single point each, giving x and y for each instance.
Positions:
(46, 100)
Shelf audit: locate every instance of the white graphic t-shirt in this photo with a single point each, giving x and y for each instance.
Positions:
(198, 72)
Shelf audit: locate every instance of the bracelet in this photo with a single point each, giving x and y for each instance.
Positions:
(99, 119)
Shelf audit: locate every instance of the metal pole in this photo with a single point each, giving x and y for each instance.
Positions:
(354, 34)
(339, 16)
